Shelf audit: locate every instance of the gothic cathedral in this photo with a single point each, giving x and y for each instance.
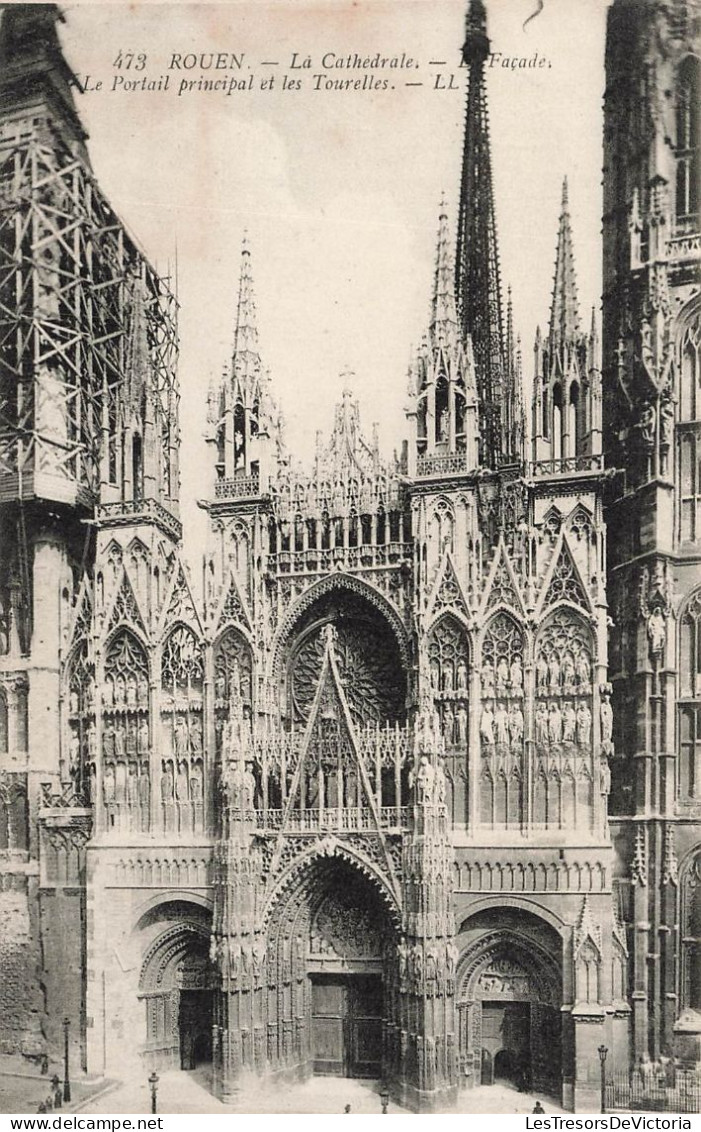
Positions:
(409, 787)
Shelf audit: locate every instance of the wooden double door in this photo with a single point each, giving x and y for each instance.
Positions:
(347, 1025)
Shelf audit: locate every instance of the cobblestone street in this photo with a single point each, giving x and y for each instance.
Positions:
(189, 1093)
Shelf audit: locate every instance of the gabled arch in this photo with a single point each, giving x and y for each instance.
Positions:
(296, 874)
(339, 581)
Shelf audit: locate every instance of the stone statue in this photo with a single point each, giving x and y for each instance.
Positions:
(606, 715)
(656, 631)
(583, 668)
(108, 788)
(181, 737)
(666, 422)
(541, 723)
(501, 721)
(143, 737)
(646, 424)
(516, 676)
(516, 724)
(487, 679)
(502, 674)
(462, 676)
(569, 722)
(182, 789)
(462, 724)
(554, 670)
(448, 723)
(74, 753)
(132, 692)
(568, 672)
(541, 672)
(487, 726)
(167, 783)
(142, 691)
(424, 781)
(439, 786)
(248, 787)
(583, 725)
(554, 723)
(119, 741)
(604, 776)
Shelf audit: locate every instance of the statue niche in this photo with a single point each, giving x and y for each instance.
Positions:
(448, 659)
(502, 722)
(182, 765)
(126, 787)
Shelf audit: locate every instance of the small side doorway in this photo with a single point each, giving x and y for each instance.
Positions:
(195, 1023)
(347, 1025)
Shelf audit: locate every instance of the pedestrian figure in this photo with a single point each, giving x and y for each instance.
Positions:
(347, 1109)
(56, 1086)
(538, 1108)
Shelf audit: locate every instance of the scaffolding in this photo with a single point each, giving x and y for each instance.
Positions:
(81, 311)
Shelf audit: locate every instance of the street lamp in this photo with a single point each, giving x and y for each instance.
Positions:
(602, 1051)
(153, 1082)
(384, 1097)
(66, 1077)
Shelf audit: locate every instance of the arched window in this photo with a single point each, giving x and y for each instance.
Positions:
(690, 700)
(4, 735)
(572, 415)
(442, 412)
(21, 719)
(691, 936)
(557, 423)
(690, 379)
(687, 141)
(239, 437)
(137, 468)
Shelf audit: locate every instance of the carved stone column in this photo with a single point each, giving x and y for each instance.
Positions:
(428, 1045)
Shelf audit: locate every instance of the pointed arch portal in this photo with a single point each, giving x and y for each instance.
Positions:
(331, 943)
(509, 1001)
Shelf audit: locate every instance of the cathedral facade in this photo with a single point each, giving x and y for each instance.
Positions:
(375, 799)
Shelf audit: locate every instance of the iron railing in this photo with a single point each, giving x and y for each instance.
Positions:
(651, 1089)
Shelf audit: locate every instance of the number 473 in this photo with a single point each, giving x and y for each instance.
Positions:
(129, 61)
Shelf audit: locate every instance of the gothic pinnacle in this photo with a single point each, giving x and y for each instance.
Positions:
(564, 314)
(443, 309)
(246, 330)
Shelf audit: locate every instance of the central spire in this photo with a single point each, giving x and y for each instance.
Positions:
(477, 265)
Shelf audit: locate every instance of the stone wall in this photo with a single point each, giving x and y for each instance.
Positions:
(21, 996)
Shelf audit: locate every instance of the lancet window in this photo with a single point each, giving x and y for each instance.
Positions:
(4, 723)
(691, 936)
(687, 141)
(690, 699)
(126, 741)
(448, 655)
(79, 756)
(182, 763)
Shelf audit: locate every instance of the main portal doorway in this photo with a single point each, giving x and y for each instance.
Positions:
(347, 1025)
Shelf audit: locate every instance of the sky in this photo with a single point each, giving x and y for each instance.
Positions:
(338, 190)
